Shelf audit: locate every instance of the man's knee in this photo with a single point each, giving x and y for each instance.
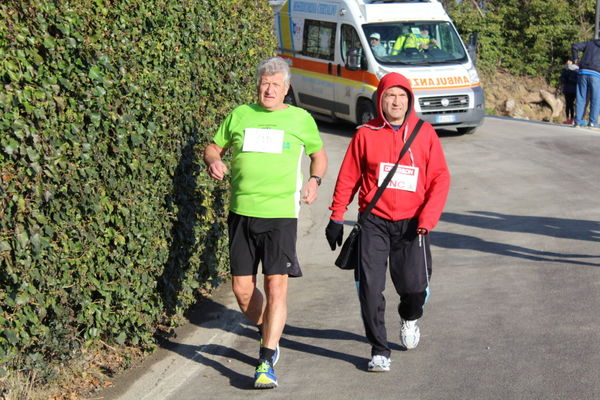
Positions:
(243, 288)
(276, 287)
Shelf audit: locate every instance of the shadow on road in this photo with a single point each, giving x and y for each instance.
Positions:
(457, 241)
(549, 226)
(328, 334)
(576, 229)
(202, 355)
(210, 314)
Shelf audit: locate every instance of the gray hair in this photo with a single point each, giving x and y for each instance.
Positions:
(272, 66)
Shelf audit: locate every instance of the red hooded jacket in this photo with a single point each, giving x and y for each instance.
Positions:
(377, 142)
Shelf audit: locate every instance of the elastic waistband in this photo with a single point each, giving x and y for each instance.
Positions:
(589, 72)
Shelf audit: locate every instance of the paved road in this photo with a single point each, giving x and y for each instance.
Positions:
(515, 291)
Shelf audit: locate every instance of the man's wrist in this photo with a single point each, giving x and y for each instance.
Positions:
(317, 178)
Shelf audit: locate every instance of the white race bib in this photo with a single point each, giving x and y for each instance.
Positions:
(405, 177)
(263, 140)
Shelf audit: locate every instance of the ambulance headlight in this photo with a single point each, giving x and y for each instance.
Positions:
(473, 77)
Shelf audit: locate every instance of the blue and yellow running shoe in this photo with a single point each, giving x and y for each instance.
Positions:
(265, 378)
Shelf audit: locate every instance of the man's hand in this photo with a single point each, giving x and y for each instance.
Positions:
(334, 233)
(309, 194)
(217, 170)
(214, 164)
(422, 231)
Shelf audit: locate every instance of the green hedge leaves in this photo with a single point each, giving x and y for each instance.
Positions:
(531, 38)
(108, 225)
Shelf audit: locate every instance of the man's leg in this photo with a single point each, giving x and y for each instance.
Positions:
(249, 298)
(274, 318)
(275, 315)
(581, 100)
(278, 243)
(374, 252)
(410, 268)
(278, 238)
(594, 83)
(244, 261)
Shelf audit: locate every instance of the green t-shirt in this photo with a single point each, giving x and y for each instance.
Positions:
(265, 168)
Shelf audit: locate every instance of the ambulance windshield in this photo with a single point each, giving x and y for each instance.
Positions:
(426, 42)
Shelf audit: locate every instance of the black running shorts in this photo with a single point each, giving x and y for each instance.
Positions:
(270, 241)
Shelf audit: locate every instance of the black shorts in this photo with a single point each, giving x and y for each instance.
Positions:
(271, 241)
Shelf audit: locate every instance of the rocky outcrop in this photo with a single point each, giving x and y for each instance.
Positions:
(556, 104)
(523, 97)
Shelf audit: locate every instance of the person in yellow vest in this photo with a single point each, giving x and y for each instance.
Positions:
(399, 44)
(418, 39)
(425, 40)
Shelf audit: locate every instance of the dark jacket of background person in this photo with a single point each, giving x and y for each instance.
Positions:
(591, 54)
(568, 79)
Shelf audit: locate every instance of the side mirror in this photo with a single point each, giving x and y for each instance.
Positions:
(472, 47)
(353, 59)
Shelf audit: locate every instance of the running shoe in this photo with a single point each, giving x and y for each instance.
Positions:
(379, 363)
(409, 333)
(276, 355)
(265, 378)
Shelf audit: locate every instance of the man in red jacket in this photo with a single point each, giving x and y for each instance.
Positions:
(398, 227)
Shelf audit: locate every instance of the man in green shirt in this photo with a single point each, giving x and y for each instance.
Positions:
(266, 140)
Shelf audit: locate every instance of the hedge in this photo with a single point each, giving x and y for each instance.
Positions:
(109, 227)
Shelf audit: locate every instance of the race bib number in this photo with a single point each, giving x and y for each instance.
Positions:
(405, 177)
(263, 140)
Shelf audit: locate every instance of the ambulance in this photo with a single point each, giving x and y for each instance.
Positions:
(339, 49)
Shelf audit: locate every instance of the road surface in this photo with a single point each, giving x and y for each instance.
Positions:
(515, 293)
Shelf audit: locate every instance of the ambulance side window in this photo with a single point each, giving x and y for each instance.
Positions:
(351, 41)
(319, 39)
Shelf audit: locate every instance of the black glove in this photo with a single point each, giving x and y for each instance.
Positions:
(334, 234)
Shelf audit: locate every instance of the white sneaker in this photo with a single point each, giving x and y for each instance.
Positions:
(409, 333)
(379, 364)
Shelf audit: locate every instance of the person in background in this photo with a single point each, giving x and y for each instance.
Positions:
(419, 39)
(588, 81)
(397, 230)
(399, 42)
(375, 42)
(266, 140)
(568, 81)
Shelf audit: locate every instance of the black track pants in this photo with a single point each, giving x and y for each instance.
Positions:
(409, 258)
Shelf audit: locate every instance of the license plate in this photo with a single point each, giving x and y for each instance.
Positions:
(444, 119)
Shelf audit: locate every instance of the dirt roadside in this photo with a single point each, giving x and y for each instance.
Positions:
(502, 88)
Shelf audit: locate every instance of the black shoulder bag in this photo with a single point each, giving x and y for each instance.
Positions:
(349, 255)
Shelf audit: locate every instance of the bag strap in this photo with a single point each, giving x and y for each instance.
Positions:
(390, 174)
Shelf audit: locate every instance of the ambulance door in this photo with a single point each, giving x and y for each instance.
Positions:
(312, 76)
(349, 82)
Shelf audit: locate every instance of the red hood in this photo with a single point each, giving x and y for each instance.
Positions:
(390, 80)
